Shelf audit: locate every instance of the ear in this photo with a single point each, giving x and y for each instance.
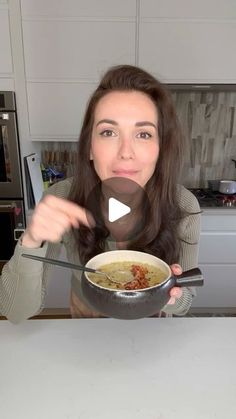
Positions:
(91, 155)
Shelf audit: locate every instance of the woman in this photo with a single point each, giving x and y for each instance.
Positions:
(130, 131)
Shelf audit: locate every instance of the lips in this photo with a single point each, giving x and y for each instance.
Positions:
(120, 172)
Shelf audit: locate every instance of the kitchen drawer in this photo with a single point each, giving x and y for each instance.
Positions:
(219, 222)
(217, 247)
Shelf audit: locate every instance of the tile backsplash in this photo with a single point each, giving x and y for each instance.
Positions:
(208, 121)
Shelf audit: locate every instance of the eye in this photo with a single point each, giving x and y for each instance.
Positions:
(144, 135)
(107, 133)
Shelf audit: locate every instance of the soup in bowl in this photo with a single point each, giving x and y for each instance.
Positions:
(128, 275)
(144, 296)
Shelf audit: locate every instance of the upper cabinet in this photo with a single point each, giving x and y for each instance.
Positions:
(65, 46)
(68, 44)
(75, 40)
(188, 41)
(6, 68)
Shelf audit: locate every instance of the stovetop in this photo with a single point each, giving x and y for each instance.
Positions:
(209, 198)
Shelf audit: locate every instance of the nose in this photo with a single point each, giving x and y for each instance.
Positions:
(126, 149)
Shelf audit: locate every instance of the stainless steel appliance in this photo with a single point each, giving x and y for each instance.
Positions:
(227, 187)
(12, 210)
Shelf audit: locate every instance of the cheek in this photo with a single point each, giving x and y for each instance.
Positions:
(96, 151)
(101, 151)
(102, 157)
(150, 156)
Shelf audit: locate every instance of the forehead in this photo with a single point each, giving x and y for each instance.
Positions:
(132, 104)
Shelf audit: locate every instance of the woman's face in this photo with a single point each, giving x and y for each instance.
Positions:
(125, 139)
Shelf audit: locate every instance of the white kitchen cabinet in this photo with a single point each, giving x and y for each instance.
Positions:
(188, 9)
(67, 47)
(68, 44)
(217, 259)
(187, 41)
(56, 109)
(60, 83)
(73, 8)
(218, 247)
(58, 289)
(76, 50)
(6, 67)
(6, 83)
(189, 52)
(219, 290)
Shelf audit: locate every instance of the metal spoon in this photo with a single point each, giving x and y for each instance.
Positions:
(124, 276)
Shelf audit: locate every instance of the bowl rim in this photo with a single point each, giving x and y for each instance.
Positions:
(89, 264)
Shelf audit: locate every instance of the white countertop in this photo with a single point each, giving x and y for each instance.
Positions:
(218, 211)
(113, 369)
(205, 210)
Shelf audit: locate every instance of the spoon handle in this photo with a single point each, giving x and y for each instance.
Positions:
(59, 263)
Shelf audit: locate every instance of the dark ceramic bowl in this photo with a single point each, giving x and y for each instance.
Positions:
(134, 304)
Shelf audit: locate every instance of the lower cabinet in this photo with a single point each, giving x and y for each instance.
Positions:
(219, 289)
(58, 289)
(217, 260)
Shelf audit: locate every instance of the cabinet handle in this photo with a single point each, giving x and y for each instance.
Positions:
(4, 116)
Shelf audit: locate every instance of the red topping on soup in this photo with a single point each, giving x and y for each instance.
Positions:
(140, 281)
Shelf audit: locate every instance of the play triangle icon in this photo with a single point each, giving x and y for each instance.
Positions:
(116, 210)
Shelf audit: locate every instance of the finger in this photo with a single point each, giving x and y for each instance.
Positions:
(58, 222)
(41, 232)
(47, 235)
(74, 211)
(176, 292)
(51, 215)
(176, 269)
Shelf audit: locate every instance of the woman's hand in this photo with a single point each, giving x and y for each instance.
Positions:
(52, 217)
(175, 292)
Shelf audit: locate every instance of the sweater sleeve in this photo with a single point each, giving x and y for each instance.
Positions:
(23, 281)
(189, 232)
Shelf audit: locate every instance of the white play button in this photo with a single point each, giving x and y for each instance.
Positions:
(116, 209)
(121, 205)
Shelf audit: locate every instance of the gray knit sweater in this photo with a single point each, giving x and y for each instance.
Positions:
(23, 282)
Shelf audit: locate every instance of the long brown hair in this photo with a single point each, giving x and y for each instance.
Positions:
(160, 235)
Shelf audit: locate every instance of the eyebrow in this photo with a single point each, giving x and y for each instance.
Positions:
(107, 121)
(138, 124)
(145, 123)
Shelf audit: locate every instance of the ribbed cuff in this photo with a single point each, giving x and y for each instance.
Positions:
(24, 264)
(182, 304)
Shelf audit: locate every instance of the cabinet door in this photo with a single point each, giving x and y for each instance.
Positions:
(59, 286)
(68, 45)
(217, 248)
(73, 8)
(217, 260)
(56, 109)
(5, 44)
(219, 288)
(189, 41)
(76, 50)
(219, 221)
